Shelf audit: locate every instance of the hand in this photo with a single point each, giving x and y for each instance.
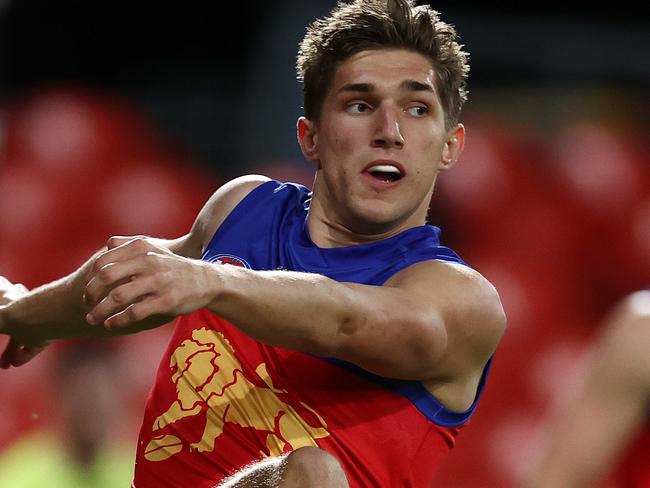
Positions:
(15, 354)
(136, 279)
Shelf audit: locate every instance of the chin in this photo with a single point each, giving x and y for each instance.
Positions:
(377, 220)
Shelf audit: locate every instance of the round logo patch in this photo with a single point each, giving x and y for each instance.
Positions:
(231, 260)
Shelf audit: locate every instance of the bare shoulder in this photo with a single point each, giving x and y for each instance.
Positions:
(469, 305)
(217, 208)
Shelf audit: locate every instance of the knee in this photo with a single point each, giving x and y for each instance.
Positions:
(313, 467)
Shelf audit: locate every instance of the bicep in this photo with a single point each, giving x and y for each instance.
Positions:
(430, 321)
(389, 333)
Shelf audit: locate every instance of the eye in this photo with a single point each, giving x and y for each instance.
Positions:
(418, 110)
(358, 108)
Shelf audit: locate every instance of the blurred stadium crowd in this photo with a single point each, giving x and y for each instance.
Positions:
(556, 215)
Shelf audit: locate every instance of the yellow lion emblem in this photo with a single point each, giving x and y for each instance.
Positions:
(207, 373)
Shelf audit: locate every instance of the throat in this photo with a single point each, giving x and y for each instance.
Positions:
(329, 234)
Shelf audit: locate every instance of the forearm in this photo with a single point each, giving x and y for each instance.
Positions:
(51, 311)
(299, 311)
(359, 323)
(57, 310)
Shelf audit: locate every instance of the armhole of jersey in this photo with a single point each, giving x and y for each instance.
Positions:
(420, 258)
(419, 396)
(239, 210)
(429, 405)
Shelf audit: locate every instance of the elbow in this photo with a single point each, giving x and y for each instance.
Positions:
(340, 337)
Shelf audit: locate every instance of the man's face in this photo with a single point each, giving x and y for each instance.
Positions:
(380, 141)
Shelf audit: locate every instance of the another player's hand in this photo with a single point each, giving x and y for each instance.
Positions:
(135, 279)
(15, 353)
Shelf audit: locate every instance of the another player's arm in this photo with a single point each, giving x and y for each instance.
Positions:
(432, 321)
(593, 425)
(58, 309)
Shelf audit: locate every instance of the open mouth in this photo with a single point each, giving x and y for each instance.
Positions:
(385, 172)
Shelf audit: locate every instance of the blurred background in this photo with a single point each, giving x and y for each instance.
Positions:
(120, 118)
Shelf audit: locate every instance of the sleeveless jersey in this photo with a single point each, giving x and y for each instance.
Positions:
(222, 400)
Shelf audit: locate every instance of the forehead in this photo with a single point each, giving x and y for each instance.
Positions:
(384, 68)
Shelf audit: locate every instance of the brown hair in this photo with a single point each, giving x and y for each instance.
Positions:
(376, 24)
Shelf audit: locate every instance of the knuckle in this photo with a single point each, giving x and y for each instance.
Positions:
(113, 241)
(97, 265)
(117, 296)
(105, 274)
(140, 243)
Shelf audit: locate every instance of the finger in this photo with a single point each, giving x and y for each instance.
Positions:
(136, 312)
(119, 299)
(127, 249)
(109, 277)
(117, 241)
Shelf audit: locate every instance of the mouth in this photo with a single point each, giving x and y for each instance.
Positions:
(385, 171)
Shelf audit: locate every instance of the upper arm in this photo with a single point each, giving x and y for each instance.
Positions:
(621, 359)
(616, 388)
(606, 403)
(213, 214)
(433, 321)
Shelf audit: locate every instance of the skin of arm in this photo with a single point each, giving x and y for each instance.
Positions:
(411, 328)
(58, 309)
(593, 426)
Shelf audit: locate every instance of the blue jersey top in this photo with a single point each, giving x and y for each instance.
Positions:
(268, 230)
(222, 399)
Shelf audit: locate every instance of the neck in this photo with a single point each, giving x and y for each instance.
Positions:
(328, 231)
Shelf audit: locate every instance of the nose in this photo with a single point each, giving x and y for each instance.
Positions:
(388, 132)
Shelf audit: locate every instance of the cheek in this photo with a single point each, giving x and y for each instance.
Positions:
(336, 147)
(428, 154)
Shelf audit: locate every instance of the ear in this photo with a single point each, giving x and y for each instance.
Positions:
(308, 138)
(453, 146)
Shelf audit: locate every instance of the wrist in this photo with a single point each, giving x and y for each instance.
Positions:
(213, 283)
(222, 283)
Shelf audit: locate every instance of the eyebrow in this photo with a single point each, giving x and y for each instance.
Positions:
(408, 85)
(412, 85)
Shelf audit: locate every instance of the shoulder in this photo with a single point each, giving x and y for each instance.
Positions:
(218, 207)
(468, 304)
